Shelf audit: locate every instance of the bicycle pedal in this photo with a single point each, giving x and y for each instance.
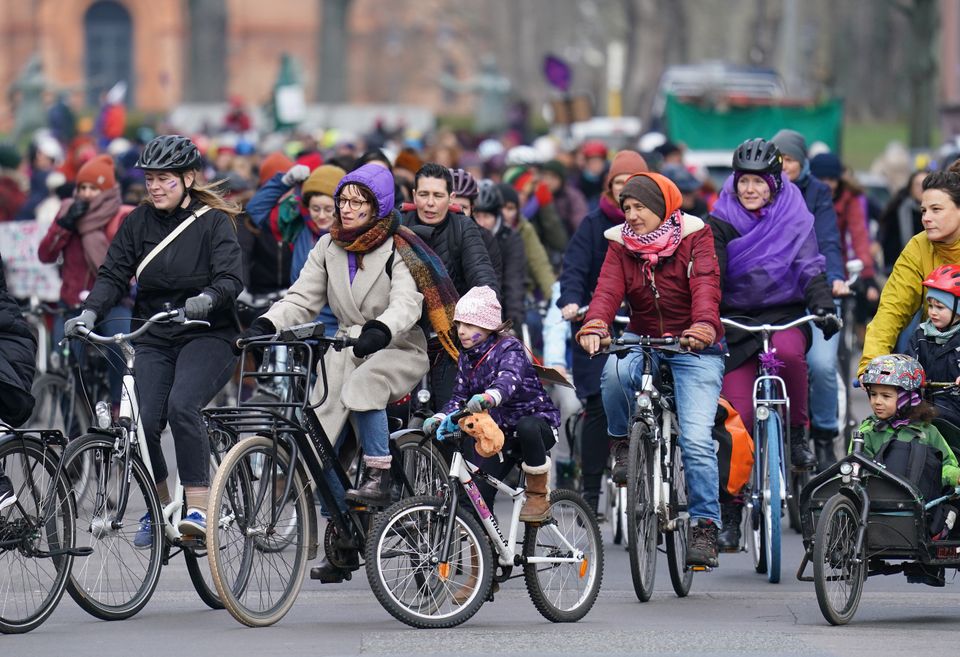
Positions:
(700, 569)
(192, 541)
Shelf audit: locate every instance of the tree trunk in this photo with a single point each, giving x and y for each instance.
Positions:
(332, 50)
(924, 32)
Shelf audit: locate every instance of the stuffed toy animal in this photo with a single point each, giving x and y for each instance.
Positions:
(486, 434)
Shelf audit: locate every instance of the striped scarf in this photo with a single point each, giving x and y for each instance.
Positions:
(433, 282)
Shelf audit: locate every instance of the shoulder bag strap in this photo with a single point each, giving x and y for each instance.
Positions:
(168, 239)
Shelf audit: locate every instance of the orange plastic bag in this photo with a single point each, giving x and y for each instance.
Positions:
(734, 450)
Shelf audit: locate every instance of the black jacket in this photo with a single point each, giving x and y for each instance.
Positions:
(513, 273)
(941, 362)
(203, 258)
(18, 354)
(266, 260)
(459, 244)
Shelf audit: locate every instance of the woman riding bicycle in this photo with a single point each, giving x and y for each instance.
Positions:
(772, 272)
(901, 302)
(663, 262)
(179, 368)
(376, 275)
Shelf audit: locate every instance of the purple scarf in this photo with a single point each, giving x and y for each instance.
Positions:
(776, 255)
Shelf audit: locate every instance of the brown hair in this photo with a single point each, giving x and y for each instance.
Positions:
(923, 413)
(947, 182)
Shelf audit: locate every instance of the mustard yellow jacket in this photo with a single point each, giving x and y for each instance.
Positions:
(903, 294)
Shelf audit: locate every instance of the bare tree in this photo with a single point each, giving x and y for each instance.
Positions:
(922, 67)
(332, 51)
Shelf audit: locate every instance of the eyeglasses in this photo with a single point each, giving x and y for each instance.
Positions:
(354, 203)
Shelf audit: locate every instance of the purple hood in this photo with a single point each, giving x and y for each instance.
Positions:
(377, 179)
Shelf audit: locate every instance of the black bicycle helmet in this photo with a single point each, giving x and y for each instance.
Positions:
(169, 153)
(464, 184)
(489, 198)
(758, 156)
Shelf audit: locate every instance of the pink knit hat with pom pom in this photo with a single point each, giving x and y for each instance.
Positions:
(479, 306)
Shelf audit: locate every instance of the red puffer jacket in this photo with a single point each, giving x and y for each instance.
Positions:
(685, 286)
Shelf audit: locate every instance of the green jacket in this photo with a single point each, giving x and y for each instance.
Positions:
(874, 439)
(538, 263)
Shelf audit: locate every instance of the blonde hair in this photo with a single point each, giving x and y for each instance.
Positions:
(209, 194)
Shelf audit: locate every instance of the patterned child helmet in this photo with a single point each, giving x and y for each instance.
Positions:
(896, 370)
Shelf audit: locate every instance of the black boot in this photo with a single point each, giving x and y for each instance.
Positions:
(730, 517)
(801, 458)
(620, 448)
(702, 544)
(592, 498)
(823, 441)
(374, 489)
(328, 573)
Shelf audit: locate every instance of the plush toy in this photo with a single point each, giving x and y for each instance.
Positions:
(485, 432)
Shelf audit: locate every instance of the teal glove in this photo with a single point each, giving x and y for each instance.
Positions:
(481, 402)
(447, 427)
(430, 426)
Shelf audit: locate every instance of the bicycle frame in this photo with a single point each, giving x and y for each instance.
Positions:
(463, 472)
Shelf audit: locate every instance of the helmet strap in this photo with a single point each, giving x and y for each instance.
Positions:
(186, 192)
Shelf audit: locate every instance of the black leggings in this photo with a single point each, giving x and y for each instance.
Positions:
(594, 444)
(534, 437)
(173, 383)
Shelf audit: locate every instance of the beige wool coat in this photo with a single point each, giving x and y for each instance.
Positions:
(357, 384)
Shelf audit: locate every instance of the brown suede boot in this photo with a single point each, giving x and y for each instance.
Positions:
(536, 508)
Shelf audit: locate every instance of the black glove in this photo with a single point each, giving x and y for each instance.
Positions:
(70, 218)
(374, 336)
(260, 326)
(198, 307)
(829, 323)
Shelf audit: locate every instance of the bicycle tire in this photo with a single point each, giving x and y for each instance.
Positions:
(618, 512)
(642, 521)
(681, 577)
(20, 460)
(833, 550)
(424, 466)
(773, 502)
(410, 532)
(92, 586)
(574, 522)
(58, 406)
(248, 499)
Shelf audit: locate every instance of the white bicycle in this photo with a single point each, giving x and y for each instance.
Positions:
(430, 559)
(117, 580)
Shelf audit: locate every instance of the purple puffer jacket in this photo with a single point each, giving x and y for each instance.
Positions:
(500, 363)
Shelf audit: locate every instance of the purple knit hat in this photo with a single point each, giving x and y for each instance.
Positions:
(377, 179)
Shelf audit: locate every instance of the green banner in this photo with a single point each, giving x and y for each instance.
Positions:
(702, 127)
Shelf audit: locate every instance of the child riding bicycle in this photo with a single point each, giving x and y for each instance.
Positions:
(664, 263)
(495, 374)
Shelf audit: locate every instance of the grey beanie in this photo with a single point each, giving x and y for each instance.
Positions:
(792, 144)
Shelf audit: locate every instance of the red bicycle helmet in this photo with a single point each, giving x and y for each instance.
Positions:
(943, 284)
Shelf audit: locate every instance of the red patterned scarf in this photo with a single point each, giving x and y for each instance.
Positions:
(651, 247)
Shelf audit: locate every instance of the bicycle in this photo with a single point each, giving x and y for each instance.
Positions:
(655, 494)
(774, 482)
(846, 351)
(268, 528)
(429, 560)
(122, 575)
(37, 531)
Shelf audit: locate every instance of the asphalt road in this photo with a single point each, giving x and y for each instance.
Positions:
(730, 611)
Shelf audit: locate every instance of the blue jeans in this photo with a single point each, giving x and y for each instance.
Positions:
(374, 436)
(697, 381)
(116, 321)
(824, 389)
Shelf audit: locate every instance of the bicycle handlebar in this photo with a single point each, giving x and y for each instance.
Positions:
(774, 328)
(176, 316)
(299, 333)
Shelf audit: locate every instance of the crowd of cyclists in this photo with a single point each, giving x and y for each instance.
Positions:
(464, 262)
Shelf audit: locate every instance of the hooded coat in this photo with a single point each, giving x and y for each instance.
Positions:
(18, 353)
(390, 297)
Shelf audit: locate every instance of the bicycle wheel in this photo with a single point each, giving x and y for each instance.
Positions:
(196, 558)
(798, 479)
(642, 529)
(564, 592)
(681, 577)
(257, 580)
(773, 500)
(32, 530)
(403, 573)
(425, 468)
(838, 572)
(117, 580)
(59, 406)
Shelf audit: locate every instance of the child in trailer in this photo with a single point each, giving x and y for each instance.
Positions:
(495, 374)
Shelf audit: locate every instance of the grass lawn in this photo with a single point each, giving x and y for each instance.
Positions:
(863, 142)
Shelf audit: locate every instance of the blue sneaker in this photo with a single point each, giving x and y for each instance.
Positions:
(143, 540)
(194, 524)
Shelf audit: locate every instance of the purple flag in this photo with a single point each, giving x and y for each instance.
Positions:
(557, 72)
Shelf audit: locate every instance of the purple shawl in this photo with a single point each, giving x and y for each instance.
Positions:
(776, 255)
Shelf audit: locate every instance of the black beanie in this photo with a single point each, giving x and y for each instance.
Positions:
(647, 191)
(509, 194)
